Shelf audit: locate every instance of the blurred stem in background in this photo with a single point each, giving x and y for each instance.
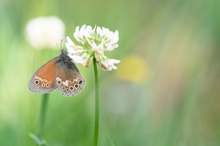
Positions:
(43, 110)
(38, 139)
(96, 127)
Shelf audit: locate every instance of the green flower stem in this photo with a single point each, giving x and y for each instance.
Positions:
(96, 128)
(43, 109)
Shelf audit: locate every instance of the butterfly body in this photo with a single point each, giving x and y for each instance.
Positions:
(59, 73)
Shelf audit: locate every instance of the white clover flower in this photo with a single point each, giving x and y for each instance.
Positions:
(43, 32)
(92, 42)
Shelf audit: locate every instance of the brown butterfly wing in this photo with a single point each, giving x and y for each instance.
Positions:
(43, 80)
(69, 81)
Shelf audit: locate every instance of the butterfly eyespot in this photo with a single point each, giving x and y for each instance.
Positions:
(63, 88)
(67, 89)
(47, 85)
(71, 88)
(76, 86)
(80, 82)
(43, 84)
(37, 82)
(59, 82)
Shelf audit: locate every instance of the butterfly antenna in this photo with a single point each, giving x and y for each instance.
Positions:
(61, 44)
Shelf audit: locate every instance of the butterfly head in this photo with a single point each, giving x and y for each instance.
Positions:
(65, 60)
(64, 57)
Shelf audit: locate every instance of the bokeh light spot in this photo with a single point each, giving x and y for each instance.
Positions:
(133, 68)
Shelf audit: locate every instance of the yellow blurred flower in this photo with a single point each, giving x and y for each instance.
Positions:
(133, 68)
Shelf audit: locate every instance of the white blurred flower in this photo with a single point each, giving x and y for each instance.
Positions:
(42, 32)
(92, 42)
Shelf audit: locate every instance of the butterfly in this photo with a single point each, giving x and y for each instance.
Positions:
(59, 73)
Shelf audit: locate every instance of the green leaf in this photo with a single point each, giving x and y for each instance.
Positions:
(110, 141)
(39, 141)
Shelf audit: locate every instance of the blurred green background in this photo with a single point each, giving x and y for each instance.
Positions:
(166, 91)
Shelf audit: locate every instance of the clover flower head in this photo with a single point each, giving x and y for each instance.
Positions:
(42, 32)
(93, 42)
